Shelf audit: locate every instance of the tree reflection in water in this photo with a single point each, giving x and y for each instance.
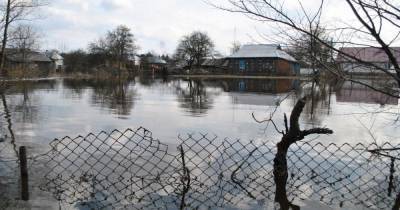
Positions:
(117, 96)
(193, 97)
(136, 171)
(315, 172)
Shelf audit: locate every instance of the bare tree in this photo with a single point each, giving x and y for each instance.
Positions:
(309, 51)
(372, 18)
(194, 47)
(291, 135)
(121, 43)
(118, 45)
(24, 38)
(14, 11)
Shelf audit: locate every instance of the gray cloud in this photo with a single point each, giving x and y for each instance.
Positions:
(109, 5)
(157, 24)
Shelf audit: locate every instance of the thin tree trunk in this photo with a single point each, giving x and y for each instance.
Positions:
(281, 174)
(5, 37)
(292, 135)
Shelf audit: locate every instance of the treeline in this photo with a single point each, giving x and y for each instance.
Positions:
(81, 61)
(117, 50)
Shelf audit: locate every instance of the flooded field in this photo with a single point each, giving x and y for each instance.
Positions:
(212, 123)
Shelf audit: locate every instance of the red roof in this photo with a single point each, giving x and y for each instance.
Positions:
(367, 54)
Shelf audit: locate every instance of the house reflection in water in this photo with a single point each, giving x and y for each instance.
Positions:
(351, 92)
(243, 91)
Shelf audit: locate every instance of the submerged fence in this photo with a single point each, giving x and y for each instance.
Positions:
(131, 170)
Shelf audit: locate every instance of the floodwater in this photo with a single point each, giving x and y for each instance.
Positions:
(34, 113)
(44, 110)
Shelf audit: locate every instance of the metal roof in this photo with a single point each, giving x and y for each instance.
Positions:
(367, 54)
(156, 60)
(29, 57)
(213, 62)
(262, 51)
(54, 55)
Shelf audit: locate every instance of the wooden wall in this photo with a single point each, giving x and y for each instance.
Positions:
(261, 66)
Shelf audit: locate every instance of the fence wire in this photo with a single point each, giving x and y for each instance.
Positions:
(132, 170)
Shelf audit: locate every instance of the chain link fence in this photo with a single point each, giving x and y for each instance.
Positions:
(132, 170)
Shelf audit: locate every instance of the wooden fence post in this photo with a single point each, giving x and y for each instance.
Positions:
(391, 177)
(24, 173)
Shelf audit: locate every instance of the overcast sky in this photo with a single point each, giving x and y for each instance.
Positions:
(157, 24)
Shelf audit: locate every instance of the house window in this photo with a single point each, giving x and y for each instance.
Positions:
(242, 86)
(242, 65)
(388, 66)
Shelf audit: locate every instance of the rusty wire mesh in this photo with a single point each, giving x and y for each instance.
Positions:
(132, 170)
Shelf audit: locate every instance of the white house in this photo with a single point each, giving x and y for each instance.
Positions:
(136, 60)
(56, 58)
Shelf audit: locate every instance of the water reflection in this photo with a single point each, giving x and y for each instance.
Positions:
(211, 172)
(232, 100)
(23, 100)
(197, 95)
(319, 104)
(8, 121)
(259, 85)
(356, 93)
(21, 104)
(118, 96)
(194, 97)
(45, 109)
(75, 88)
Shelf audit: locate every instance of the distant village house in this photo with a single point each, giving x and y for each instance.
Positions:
(57, 59)
(156, 63)
(153, 63)
(255, 59)
(262, 59)
(32, 60)
(368, 55)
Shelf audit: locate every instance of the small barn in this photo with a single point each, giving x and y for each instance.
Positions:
(28, 60)
(262, 59)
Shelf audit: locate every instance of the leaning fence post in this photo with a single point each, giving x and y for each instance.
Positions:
(186, 177)
(24, 173)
